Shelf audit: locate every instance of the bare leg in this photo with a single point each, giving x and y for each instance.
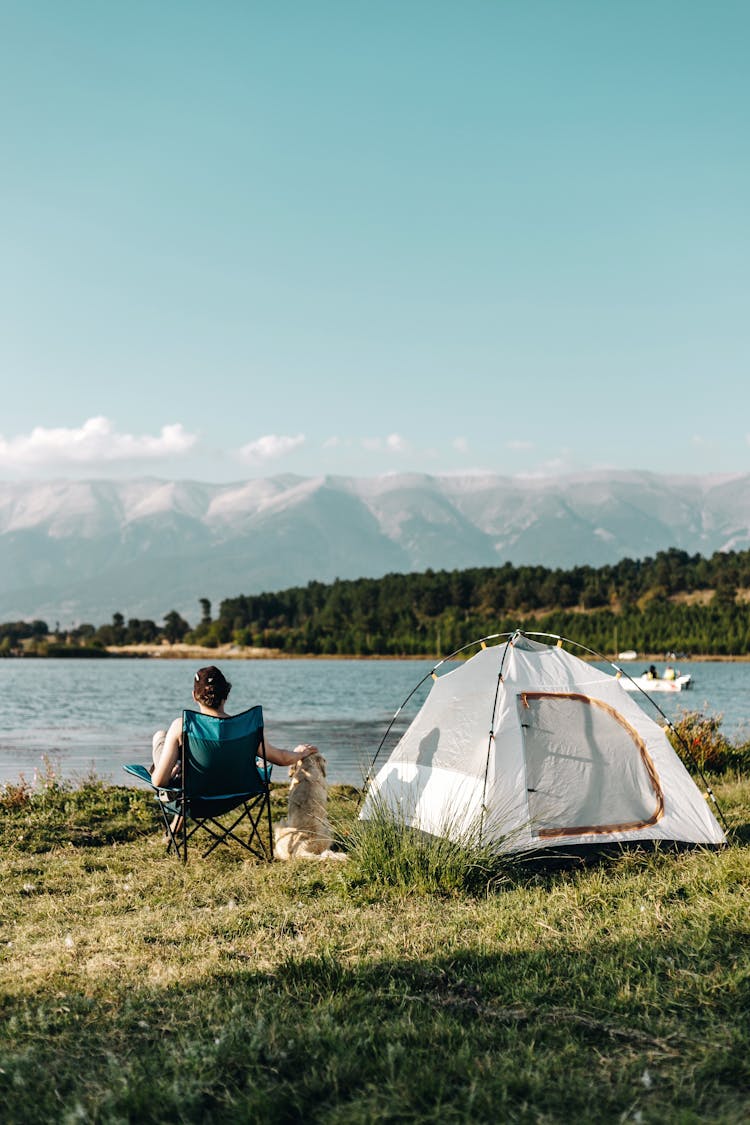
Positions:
(157, 745)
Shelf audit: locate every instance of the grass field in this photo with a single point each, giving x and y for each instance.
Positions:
(138, 990)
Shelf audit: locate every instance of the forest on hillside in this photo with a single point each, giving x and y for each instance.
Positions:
(672, 602)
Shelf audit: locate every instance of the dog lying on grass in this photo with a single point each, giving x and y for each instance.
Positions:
(306, 833)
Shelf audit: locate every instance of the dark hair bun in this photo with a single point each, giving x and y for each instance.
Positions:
(210, 687)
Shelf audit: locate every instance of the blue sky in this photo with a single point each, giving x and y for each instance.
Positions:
(342, 237)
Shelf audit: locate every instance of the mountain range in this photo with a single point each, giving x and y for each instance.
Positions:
(73, 551)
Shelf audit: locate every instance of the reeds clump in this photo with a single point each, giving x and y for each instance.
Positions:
(53, 811)
(386, 851)
(699, 740)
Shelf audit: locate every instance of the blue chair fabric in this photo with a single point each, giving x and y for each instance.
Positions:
(223, 768)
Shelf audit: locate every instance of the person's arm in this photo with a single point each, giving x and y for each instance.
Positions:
(170, 756)
(289, 757)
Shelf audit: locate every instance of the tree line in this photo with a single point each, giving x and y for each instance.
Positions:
(673, 601)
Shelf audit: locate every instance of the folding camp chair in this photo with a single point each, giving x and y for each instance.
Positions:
(223, 769)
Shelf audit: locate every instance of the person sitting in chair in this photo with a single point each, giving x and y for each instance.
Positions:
(210, 692)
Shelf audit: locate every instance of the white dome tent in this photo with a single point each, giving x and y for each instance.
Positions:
(527, 746)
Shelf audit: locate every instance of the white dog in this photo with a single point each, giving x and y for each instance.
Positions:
(306, 832)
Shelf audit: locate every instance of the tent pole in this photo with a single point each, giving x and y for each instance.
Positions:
(491, 740)
(457, 652)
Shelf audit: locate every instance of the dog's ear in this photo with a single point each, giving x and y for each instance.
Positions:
(322, 763)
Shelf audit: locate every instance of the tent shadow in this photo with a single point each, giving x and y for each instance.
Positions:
(551, 860)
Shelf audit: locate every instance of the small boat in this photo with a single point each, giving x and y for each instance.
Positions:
(650, 684)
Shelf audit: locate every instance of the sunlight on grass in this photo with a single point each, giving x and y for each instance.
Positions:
(419, 981)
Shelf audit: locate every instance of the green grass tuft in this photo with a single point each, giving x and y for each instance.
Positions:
(387, 852)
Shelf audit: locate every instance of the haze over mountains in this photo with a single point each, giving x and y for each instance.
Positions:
(73, 551)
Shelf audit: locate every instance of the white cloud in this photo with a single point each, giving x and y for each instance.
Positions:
(519, 446)
(95, 441)
(394, 443)
(270, 447)
(460, 444)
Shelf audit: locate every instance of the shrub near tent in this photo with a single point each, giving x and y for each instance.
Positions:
(531, 747)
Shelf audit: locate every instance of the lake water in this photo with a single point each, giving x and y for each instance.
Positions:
(102, 713)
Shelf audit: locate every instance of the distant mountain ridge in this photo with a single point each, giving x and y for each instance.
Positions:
(79, 550)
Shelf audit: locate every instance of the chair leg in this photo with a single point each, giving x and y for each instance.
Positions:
(178, 834)
(222, 833)
(175, 828)
(167, 821)
(267, 853)
(270, 826)
(226, 833)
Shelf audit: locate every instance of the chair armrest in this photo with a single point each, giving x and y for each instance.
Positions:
(140, 772)
(165, 792)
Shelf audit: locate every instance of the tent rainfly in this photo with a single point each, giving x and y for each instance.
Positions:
(527, 746)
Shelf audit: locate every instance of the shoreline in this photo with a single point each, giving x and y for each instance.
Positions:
(181, 651)
(235, 652)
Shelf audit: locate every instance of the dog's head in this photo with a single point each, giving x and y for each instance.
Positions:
(308, 768)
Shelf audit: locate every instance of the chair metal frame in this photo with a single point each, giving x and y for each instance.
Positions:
(194, 798)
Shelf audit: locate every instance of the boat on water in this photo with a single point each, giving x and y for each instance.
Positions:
(650, 684)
